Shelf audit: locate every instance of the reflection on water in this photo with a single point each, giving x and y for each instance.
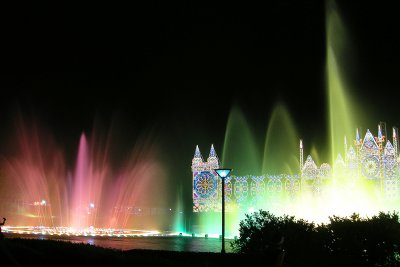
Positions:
(171, 243)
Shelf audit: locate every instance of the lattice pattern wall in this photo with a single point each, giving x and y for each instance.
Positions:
(372, 158)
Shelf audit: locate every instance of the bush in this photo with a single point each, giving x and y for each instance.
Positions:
(351, 241)
(365, 241)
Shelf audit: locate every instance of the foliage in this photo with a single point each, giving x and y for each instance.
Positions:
(374, 240)
(351, 241)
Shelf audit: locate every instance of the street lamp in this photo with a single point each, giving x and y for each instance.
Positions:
(223, 173)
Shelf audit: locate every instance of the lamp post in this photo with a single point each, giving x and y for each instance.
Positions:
(223, 173)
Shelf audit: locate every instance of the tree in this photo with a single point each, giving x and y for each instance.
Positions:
(344, 241)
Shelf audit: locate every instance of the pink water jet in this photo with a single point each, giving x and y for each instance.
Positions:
(39, 189)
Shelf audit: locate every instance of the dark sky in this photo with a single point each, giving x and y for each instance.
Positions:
(174, 70)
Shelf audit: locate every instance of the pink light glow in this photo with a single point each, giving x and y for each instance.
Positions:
(40, 190)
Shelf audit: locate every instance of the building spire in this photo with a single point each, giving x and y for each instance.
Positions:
(395, 141)
(212, 152)
(380, 138)
(358, 140)
(197, 161)
(301, 156)
(370, 143)
(213, 161)
(197, 154)
(379, 131)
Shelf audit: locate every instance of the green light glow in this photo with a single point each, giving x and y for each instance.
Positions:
(281, 144)
(179, 216)
(240, 149)
(342, 193)
(343, 111)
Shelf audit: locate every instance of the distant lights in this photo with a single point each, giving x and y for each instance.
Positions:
(90, 231)
(40, 203)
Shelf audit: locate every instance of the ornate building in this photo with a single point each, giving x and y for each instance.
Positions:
(205, 181)
(373, 160)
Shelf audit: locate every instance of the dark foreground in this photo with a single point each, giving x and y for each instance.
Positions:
(31, 252)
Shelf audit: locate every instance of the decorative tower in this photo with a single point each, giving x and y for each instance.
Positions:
(212, 160)
(381, 138)
(395, 141)
(301, 157)
(383, 131)
(197, 161)
(390, 181)
(357, 144)
(310, 169)
(379, 141)
(352, 163)
(358, 141)
(205, 181)
(370, 157)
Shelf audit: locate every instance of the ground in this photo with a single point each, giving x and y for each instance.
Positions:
(32, 252)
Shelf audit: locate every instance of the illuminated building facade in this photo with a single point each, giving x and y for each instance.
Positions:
(373, 160)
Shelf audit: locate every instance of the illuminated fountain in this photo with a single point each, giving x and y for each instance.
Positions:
(93, 197)
(40, 193)
(362, 174)
(366, 180)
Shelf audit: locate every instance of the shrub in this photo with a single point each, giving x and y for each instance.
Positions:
(365, 241)
(347, 241)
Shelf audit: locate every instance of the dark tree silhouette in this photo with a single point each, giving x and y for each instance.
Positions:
(344, 241)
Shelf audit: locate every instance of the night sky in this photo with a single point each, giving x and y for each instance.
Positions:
(171, 72)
